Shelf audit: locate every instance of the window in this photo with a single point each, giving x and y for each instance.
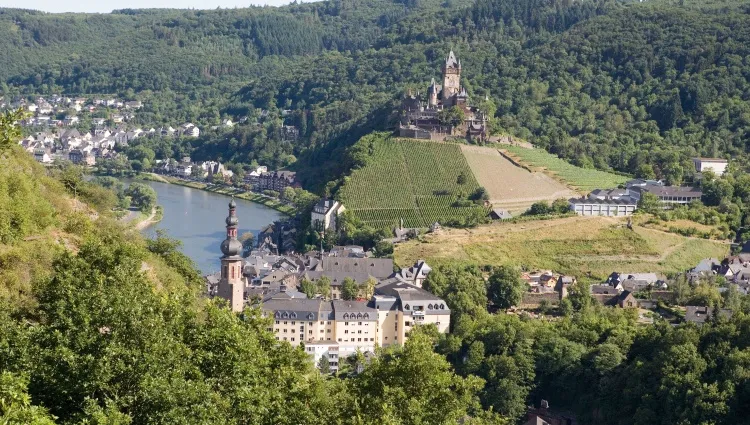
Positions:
(321, 331)
(346, 323)
(352, 339)
(360, 323)
(285, 323)
(310, 332)
(372, 339)
(359, 331)
(301, 328)
(277, 338)
(407, 323)
(339, 339)
(310, 323)
(294, 323)
(386, 338)
(346, 331)
(292, 338)
(284, 338)
(277, 322)
(359, 339)
(284, 330)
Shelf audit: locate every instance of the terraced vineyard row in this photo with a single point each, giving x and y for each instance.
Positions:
(584, 179)
(411, 180)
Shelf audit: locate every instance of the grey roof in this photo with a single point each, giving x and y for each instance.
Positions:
(380, 268)
(293, 308)
(707, 265)
(337, 278)
(404, 291)
(353, 310)
(699, 314)
(451, 61)
(679, 191)
(634, 285)
(384, 302)
(623, 201)
(603, 289)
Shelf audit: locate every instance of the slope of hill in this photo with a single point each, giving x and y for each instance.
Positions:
(417, 181)
(509, 186)
(589, 248)
(583, 179)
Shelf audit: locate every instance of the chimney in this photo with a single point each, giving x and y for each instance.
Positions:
(545, 404)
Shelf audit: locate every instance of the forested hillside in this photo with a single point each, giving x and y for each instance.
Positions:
(638, 88)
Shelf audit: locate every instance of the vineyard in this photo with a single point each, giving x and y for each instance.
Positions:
(410, 180)
(583, 179)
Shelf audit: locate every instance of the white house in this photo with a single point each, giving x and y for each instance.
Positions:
(717, 165)
(318, 349)
(325, 212)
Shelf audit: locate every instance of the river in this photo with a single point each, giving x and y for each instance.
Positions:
(196, 217)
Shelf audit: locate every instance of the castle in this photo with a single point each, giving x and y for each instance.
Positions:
(421, 119)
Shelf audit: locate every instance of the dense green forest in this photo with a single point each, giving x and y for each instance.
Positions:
(638, 88)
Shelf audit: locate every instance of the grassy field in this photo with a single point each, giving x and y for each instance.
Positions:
(587, 247)
(409, 179)
(582, 179)
(509, 186)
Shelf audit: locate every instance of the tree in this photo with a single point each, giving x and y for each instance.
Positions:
(349, 289)
(308, 288)
(367, 289)
(579, 296)
(539, 208)
(453, 116)
(324, 365)
(142, 196)
(717, 191)
(441, 397)
(505, 287)
(323, 286)
(649, 203)
(15, 403)
(461, 179)
(248, 241)
(9, 132)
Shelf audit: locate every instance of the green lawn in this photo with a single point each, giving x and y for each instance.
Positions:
(583, 179)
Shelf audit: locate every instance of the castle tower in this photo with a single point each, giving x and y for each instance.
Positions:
(451, 78)
(232, 285)
(432, 94)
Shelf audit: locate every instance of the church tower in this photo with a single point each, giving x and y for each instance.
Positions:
(451, 78)
(232, 285)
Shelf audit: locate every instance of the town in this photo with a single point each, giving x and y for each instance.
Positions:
(413, 212)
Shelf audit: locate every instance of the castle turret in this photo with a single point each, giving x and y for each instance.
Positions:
(232, 285)
(432, 94)
(451, 78)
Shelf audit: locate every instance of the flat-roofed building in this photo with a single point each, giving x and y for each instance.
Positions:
(716, 165)
(603, 207)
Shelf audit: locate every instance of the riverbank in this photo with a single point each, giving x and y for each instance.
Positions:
(257, 198)
(140, 221)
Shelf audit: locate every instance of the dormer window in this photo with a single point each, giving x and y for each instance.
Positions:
(429, 307)
(406, 307)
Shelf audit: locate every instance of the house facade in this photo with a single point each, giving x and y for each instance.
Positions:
(589, 206)
(325, 213)
(716, 165)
